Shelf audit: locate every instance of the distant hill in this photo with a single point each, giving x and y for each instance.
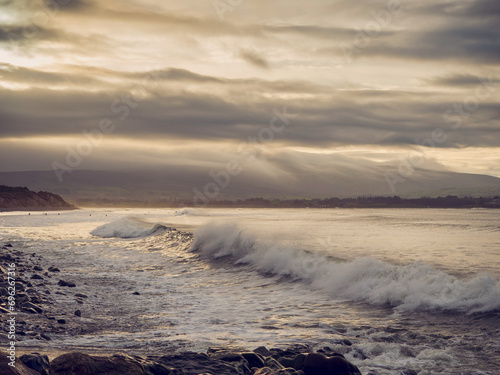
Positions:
(165, 187)
(21, 198)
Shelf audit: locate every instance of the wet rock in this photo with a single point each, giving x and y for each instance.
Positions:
(229, 353)
(263, 351)
(78, 313)
(136, 294)
(198, 363)
(81, 295)
(31, 306)
(66, 283)
(232, 355)
(37, 362)
(319, 364)
(408, 372)
(83, 364)
(286, 361)
(20, 369)
(298, 361)
(54, 269)
(272, 364)
(253, 359)
(61, 321)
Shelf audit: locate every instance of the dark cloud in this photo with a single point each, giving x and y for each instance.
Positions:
(462, 80)
(254, 58)
(69, 5)
(27, 33)
(475, 44)
(484, 8)
(337, 117)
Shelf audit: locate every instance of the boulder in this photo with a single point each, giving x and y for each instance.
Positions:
(253, 359)
(272, 364)
(37, 362)
(66, 283)
(20, 369)
(286, 361)
(319, 364)
(198, 363)
(298, 361)
(84, 364)
(263, 351)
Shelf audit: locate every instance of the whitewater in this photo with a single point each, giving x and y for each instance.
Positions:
(405, 288)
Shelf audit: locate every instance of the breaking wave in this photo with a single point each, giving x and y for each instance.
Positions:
(405, 287)
(129, 227)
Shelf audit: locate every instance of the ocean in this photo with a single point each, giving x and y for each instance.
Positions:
(391, 289)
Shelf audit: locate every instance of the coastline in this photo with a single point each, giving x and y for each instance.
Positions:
(38, 317)
(112, 327)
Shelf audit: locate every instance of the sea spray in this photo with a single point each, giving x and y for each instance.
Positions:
(405, 287)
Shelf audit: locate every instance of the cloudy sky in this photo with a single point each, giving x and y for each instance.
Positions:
(94, 84)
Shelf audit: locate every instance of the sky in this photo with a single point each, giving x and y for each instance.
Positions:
(138, 84)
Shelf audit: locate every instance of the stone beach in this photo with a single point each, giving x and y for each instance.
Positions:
(40, 317)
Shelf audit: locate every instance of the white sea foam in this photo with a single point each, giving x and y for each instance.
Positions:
(405, 287)
(129, 227)
(187, 211)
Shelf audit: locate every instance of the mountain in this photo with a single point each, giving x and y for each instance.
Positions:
(85, 187)
(21, 198)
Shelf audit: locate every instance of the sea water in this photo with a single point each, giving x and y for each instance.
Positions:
(391, 289)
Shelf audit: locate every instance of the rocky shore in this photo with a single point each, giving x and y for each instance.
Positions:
(49, 305)
(30, 289)
(37, 317)
(295, 360)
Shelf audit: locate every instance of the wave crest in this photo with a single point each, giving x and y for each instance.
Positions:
(129, 227)
(405, 287)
